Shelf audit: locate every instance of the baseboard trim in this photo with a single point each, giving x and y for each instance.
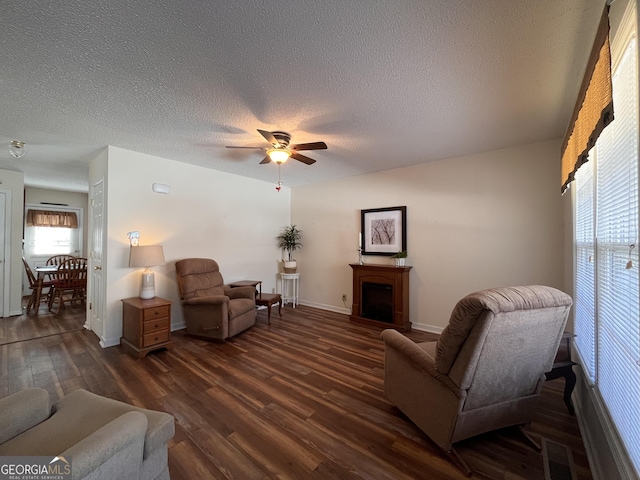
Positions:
(347, 311)
(324, 306)
(178, 326)
(623, 465)
(109, 343)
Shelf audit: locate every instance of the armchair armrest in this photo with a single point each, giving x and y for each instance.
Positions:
(408, 348)
(113, 451)
(209, 300)
(240, 292)
(23, 410)
(416, 356)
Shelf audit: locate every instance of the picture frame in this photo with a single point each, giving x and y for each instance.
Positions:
(383, 231)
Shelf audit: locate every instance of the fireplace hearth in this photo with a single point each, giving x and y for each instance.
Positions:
(381, 295)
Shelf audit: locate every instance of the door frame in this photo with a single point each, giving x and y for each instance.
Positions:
(8, 263)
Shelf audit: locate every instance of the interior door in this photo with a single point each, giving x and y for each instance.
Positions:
(96, 289)
(4, 296)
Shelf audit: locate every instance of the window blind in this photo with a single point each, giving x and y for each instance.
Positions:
(618, 280)
(585, 294)
(607, 304)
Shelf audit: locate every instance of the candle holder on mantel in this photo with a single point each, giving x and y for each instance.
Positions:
(360, 262)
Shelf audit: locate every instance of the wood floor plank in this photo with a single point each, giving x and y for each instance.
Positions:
(301, 398)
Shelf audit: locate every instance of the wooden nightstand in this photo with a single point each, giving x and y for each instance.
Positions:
(146, 325)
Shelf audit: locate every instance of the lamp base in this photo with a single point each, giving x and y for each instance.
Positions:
(147, 286)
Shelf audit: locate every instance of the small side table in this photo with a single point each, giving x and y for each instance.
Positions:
(146, 325)
(268, 300)
(249, 283)
(562, 367)
(290, 287)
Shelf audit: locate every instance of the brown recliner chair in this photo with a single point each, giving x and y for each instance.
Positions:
(212, 309)
(486, 370)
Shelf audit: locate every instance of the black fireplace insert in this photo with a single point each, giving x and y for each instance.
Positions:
(377, 301)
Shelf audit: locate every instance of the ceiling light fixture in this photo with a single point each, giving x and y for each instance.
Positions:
(278, 155)
(17, 148)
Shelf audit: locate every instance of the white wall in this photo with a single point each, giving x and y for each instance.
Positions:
(480, 221)
(212, 214)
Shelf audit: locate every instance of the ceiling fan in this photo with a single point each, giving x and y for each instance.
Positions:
(280, 150)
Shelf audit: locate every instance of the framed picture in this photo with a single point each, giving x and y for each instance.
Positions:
(384, 231)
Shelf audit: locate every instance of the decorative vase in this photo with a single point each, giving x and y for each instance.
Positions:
(290, 266)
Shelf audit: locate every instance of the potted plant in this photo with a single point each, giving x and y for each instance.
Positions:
(399, 258)
(290, 239)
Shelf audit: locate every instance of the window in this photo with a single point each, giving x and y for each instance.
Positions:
(55, 231)
(607, 293)
(52, 241)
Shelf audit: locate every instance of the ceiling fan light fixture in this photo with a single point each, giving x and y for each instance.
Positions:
(17, 148)
(278, 155)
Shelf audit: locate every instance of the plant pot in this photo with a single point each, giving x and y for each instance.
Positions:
(290, 267)
(399, 262)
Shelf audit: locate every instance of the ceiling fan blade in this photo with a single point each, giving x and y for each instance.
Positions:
(309, 146)
(302, 158)
(259, 148)
(269, 138)
(266, 159)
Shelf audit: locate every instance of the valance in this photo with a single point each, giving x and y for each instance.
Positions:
(594, 107)
(48, 218)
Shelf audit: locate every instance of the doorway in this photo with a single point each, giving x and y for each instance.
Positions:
(48, 231)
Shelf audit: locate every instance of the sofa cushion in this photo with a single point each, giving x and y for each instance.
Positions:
(77, 416)
(88, 412)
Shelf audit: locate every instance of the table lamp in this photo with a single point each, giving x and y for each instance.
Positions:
(146, 256)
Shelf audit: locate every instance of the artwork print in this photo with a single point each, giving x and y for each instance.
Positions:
(383, 231)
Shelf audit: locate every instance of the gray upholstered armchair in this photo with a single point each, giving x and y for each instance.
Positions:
(486, 370)
(103, 438)
(212, 309)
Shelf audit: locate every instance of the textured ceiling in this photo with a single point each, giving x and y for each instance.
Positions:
(384, 83)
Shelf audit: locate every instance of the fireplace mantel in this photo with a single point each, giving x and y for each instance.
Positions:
(387, 277)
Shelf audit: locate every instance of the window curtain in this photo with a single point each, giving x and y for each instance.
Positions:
(47, 218)
(594, 107)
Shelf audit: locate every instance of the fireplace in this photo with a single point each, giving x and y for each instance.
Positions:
(381, 295)
(377, 301)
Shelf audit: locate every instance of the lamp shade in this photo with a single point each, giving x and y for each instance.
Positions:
(146, 256)
(278, 155)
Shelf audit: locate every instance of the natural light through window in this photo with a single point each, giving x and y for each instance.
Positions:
(52, 241)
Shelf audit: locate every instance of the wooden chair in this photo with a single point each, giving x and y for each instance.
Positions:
(59, 259)
(33, 285)
(69, 283)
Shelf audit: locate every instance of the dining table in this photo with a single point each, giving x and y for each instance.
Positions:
(42, 272)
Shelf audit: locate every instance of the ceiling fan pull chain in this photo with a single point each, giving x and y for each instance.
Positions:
(279, 180)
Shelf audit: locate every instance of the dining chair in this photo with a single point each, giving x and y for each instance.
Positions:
(58, 259)
(69, 283)
(33, 285)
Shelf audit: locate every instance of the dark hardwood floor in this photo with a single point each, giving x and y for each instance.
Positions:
(301, 398)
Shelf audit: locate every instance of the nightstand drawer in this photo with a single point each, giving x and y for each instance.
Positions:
(154, 338)
(155, 312)
(151, 326)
